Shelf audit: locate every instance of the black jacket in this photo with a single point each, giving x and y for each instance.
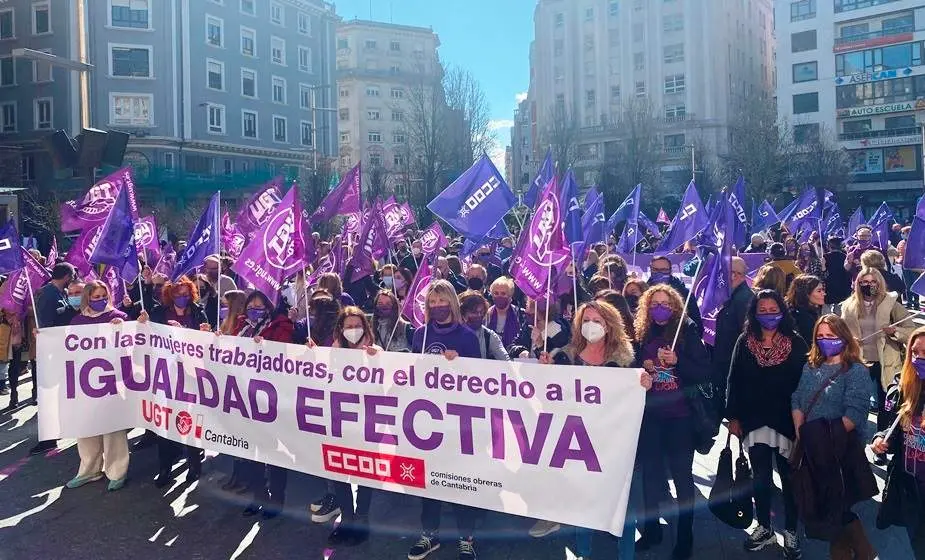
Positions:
(837, 279)
(805, 319)
(902, 503)
(693, 366)
(159, 315)
(729, 324)
(523, 342)
(760, 396)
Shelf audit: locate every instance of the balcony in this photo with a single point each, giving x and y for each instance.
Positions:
(178, 179)
(850, 5)
(886, 133)
(874, 38)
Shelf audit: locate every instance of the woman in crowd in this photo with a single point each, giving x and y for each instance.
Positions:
(352, 331)
(323, 309)
(784, 260)
(208, 299)
(613, 267)
(443, 333)
(179, 307)
(618, 302)
(766, 366)
(599, 340)
(632, 291)
(473, 306)
(809, 256)
(911, 268)
(391, 331)
(331, 282)
(107, 453)
(537, 334)
(666, 427)
(870, 313)
(503, 317)
(875, 259)
(834, 393)
(598, 283)
(231, 310)
(903, 502)
(805, 299)
(590, 265)
(770, 277)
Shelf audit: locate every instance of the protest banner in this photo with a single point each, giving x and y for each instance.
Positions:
(511, 437)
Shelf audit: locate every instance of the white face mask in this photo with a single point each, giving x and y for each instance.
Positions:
(593, 332)
(353, 335)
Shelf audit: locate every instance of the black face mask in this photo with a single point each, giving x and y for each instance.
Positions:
(633, 301)
(868, 291)
(476, 284)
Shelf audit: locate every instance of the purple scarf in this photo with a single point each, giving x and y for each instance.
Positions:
(511, 324)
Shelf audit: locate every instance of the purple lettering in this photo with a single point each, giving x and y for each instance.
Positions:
(497, 432)
(69, 379)
(372, 419)
(575, 427)
(466, 413)
(233, 398)
(128, 375)
(530, 452)
(261, 386)
(339, 415)
(181, 395)
(161, 378)
(108, 386)
(407, 420)
(302, 410)
(203, 378)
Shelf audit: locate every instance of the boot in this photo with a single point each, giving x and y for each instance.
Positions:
(651, 536)
(857, 540)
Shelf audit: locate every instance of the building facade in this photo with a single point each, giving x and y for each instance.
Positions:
(523, 166)
(854, 70)
(691, 61)
(379, 66)
(213, 93)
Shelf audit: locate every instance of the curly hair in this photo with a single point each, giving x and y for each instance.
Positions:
(644, 321)
(800, 290)
(615, 338)
(168, 292)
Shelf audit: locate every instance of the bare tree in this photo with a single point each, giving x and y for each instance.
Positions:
(424, 127)
(179, 221)
(561, 134)
(758, 148)
(377, 181)
(469, 134)
(818, 161)
(41, 210)
(636, 157)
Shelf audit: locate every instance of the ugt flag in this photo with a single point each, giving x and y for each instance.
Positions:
(81, 250)
(628, 210)
(202, 242)
(278, 249)
(541, 247)
(416, 302)
(94, 207)
(475, 202)
(10, 254)
(688, 222)
(260, 207)
(543, 177)
(15, 293)
(232, 238)
(146, 237)
(914, 257)
(344, 199)
(116, 244)
(432, 240)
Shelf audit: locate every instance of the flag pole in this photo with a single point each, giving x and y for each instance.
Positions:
(574, 285)
(218, 253)
(548, 297)
(687, 301)
(35, 313)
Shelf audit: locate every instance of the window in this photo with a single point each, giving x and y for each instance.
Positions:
(344, 92)
(848, 5)
(855, 127)
(673, 22)
(398, 160)
(589, 14)
(369, 44)
(639, 61)
(640, 88)
(803, 41)
(134, 14)
(375, 137)
(228, 167)
(375, 160)
(676, 111)
(849, 31)
(215, 74)
(305, 128)
(805, 103)
(279, 89)
(305, 24)
(42, 109)
(128, 61)
(41, 18)
(7, 24)
(28, 168)
(373, 114)
(590, 98)
(398, 138)
(215, 31)
(168, 160)
(41, 71)
(397, 93)
(305, 96)
(278, 51)
(904, 121)
(249, 7)
(217, 119)
(276, 13)
(805, 72)
(343, 44)
(7, 71)
(806, 133)
(395, 68)
(249, 124)
(674, 83)
(344, 137)
(674, 53)
(559, 19)
(893, 57)
(343, 114)
(614, 8)
(674, 141)
(279, 129)
(900, 24)
(372, 91)
(804, 9)
(395, 46)
(248, 83)
(8, 121)
(199, 164)
(879, 93)
(131, 109)
(305, 59)
(615, 94)
(248, 42)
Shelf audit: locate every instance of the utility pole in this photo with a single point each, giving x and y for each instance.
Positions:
(315, 109)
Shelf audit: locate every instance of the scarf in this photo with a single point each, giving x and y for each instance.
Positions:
(251, 330)
(511, 324)
(773, 356)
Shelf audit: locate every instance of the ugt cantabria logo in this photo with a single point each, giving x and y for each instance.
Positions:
(100, 198)
(278, 240)
(184, 423)
(541, 236)
(144, 233)
(429, 241)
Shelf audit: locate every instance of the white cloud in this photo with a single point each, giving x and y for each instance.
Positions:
(497, 124)
(520, 96)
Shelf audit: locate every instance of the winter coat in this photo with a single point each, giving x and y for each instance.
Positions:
(890, 349)
(280, 328)
(902, 502)
(198, 315)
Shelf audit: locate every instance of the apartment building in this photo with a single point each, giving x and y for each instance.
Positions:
(523, 165)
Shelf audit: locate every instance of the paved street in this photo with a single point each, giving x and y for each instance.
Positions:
(41, 519)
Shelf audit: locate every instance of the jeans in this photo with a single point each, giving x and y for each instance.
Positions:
(343, 493)
(671, 441)
(430, 518)
(626, 546)
(4, 372)
(762, 458)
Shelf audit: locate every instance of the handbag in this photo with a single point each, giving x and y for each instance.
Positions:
(731, 496)
(796, 455)
(704, 417)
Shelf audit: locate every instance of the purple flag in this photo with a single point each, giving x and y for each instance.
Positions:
(914, 256)
(116, 285)
(736, 199)
(344, 199)
(353, 222)
(260, 207)
(202, 241)
(568, 199)
(432, 240)
(880, 225)
(372, 245)
(688, 222)
(416, 301)
(764, 218)
(94, 207)
(590, 197)
(332, 262)
(233, 240)
(592, 226)
(712, 289)
(80, 252)
(662, 217)
(407, 214)
(167, 262)
(146, 236)
(808, 210)
(649, 226)
(15, 295)
(543, 177)
(52, 253)
(832, 224)
(628, 210)
(116, 243)
(278, 248)
(475, 202)
(541, 247)
(394, 219)
(629, 238)
(10, 248)
(855, 221)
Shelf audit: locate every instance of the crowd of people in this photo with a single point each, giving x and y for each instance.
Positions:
(805, 348)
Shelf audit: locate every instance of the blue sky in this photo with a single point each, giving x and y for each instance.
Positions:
(490, 38)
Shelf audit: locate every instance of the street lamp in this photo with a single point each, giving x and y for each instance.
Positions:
(315, 123)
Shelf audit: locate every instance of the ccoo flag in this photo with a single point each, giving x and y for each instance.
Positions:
(94, 207)
(568, 199)
(541, 247)
(202, 241)
(807, 211)
(116, 243)
(736, 199)
(416, 302)
(14, 295)
(260, 207)
(344, 199)
(649, 225)
(543, 177)
(880, 226)
(713, 288)
(628, 210)
(765, 217)
(688, 222)
(475, 202)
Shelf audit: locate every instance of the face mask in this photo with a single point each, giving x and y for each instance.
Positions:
(474, 323)
(633, 301)
(919, 365)
(830, 346)
(384, 311)
(476, 284)
(416, 251)
(502, 302)
(181, 301)
(398, 282)
(769, 321)
(73, 301)
(593, 332)
(256, 315)
(158, 288)
(661, 313)
(213, 275)
(864, 243)
(223, 313)
(440, 313)
(659, 277)
(99, 305)
(868, 290)
(387, 281)
(353, 335)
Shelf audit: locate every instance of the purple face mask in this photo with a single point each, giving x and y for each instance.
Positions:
(661, 313)
(501, 302)
(830, 346)
(384, 311)
(919, 365)
(440, 313)
(99, 305)
(256, 315)
(182, 301)
(769, 321)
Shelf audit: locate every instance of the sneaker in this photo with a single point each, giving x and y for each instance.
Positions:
(43, 446)
(79, 481)
(760, 538)
(466, 549)
(328, 511)
(316, 505)
(4, 388)
(426, 544)
(542, 528)
(792, 546)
